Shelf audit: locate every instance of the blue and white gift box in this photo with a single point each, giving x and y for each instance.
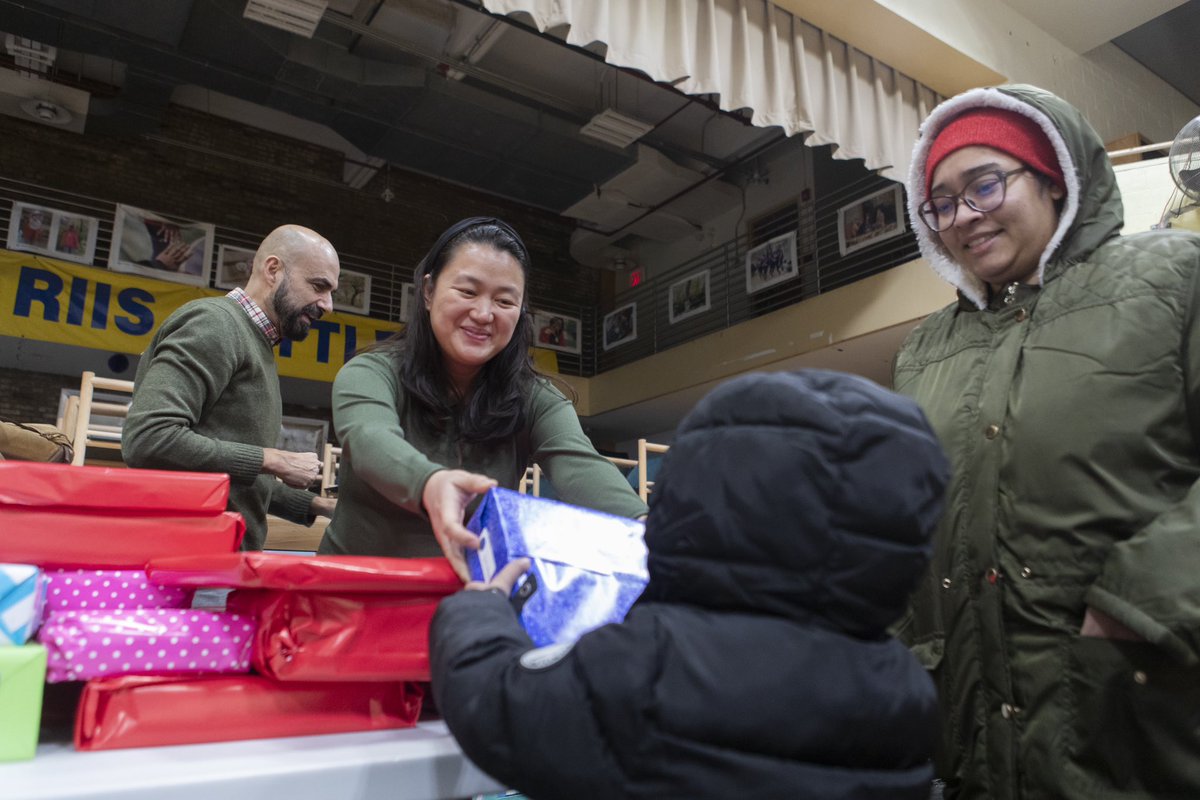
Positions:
(588, 567)
(22, 597)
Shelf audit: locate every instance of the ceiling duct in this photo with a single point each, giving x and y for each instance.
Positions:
(300, 17)
(615, 128)
(43, 100)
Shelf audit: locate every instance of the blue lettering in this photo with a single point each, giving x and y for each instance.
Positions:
(28, 292)
(134, 301)
(324, 331)
(100, 306)
(285, 348)
(380, 335)
(79, 288)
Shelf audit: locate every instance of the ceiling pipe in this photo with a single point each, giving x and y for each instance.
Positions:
(758, 151)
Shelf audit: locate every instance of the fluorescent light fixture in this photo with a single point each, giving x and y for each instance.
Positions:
(294, 16)
(615, 128)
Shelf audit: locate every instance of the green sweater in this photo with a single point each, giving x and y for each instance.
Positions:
(206, 399)
(387, 456)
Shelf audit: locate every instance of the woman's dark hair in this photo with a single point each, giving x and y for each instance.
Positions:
(495, 407)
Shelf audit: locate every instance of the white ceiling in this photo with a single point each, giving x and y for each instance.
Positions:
(1085, 24)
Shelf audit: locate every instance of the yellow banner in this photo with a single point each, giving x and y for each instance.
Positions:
(57, 301)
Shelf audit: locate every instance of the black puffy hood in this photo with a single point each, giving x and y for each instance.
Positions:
(811, 495)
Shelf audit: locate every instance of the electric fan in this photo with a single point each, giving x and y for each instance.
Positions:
(1183, 209)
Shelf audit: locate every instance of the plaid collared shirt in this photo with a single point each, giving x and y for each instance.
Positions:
(256, 314)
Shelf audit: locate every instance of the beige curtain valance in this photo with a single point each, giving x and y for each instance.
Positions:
(755, 56)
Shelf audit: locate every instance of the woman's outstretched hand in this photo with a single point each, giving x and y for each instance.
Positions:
(446, 496)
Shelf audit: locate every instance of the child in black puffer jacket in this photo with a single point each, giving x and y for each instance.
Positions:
(790, 520)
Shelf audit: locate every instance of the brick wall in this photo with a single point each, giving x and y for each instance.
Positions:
(31, 396)
(207, 168)
(211, 169)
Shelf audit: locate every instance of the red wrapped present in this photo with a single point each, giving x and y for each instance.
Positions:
(340, 574)
(112, 539)
(141, 491)
(311, 636)
(144, 711)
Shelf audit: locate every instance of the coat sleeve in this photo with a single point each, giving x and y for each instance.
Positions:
(529, 725)
(579, 474)
(365, 415)
(191, 365)
(294, 505)
(1150, 581)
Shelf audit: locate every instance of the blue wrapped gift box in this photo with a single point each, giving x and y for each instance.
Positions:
(22, 597)
(588, 567)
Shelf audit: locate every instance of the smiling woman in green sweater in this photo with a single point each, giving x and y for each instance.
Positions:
(452, 407)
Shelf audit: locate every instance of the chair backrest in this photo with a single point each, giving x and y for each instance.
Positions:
(329, 469)
(82, 432)
(643, 466)
(531, 481)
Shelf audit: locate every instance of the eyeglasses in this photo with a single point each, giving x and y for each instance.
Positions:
(983, 194)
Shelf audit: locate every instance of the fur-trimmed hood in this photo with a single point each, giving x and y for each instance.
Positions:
(1092, 212)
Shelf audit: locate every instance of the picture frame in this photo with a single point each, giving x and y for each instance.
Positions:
(771, 262)
(688, 297)
(52, 232)
(147, 243)
(302, 435)
(233, 267)
(408, 301)
(620, 326)
(353, 292)
(870, 220)
(554, 331)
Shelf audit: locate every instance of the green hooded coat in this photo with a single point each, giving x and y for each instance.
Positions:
(1071, 413)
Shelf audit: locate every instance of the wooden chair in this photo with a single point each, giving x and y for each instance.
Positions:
(83, 432)
(329, 470)
(531, 481)
(643, 466)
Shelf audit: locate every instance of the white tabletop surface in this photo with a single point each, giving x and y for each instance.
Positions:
(421, 763)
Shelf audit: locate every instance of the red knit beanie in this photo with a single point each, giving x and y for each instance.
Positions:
(1007, 131)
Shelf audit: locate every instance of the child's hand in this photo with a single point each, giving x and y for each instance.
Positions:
(504, 580)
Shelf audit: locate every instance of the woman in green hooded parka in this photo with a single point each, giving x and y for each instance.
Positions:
(1061, 615)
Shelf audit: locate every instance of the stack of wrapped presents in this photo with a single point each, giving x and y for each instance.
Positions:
(99, 588)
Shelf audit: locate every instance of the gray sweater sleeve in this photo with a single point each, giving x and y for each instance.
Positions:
(191, 361)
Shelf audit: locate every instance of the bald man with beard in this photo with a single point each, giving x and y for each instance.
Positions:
(206, 395)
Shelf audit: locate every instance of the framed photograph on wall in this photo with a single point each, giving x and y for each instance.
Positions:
(233, 267)
(146, 243)
(302, 435)
(620, 326)
(353, 292)
(871, 220)
(555, 331)
(688, 297)
(52, 232)
(771, 262)
(408, 300)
